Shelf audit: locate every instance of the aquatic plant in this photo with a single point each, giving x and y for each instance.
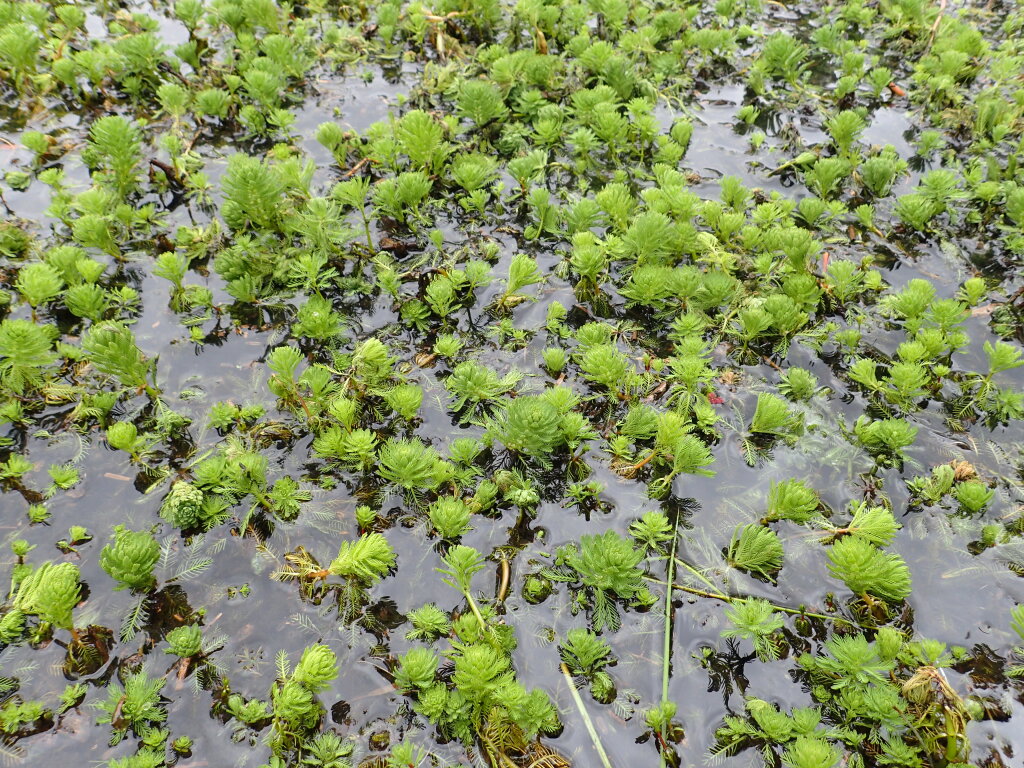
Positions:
(866, 570)
(763, 366)
(367, 559)
(586, 655)
(606, 568)
(50, 592)
(130, 559)
(756, 549)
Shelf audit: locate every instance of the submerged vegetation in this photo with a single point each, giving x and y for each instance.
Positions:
(511, 383)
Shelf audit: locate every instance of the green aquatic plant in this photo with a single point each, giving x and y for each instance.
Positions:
(294, 711)
(130, 559)
(868, 571)
(885, 439)
(115, 148)
(136, 706)
(773, 417)
(791, 500)
(973, 496)
(606, 566)
(529, 425)
(757, 621)
(409, 464)
(113, 351)
(50, 592)
(366, 560)
(798, 384)
(124, 436)
(185, 641)
(185, 507)
(874, 524)
(450, 517)
(475, 385)
(26, 351)
(756, 549)
(38, 283)
(586, 655)
(536, 195)
(253, 194)
(481, 702)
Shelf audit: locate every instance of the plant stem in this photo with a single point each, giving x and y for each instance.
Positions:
(476, 611)
(605, 762)
(715, 595)
(666, 647)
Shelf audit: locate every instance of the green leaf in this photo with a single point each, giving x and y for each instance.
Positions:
(756, 549)
(367, 559)
(131, 558)
(867, 570)
(112, 350)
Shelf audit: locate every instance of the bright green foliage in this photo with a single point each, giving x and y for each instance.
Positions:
(38, 283)
(429, 623)
(875, 525)
(50, 592)
(474, 384)
(529, 425)
(367, 559)
(130, 559)
(773, 417)
(885, 438)
(124, 436)
(480, 102)
(798, 384)
(535, 237)
(756, 620)
(12, 624)
(16, 714)
(973, 496)
(409, 463)
(653, 530)
(463, 562)
(183, 506)
(587, 655)
(866, 570)
(316, 319)
(481, 701)
(473, 171)
(450, 517)
(607, 567)
(316, 669)
(416, 670)
(253, 194)
(136, 706)
(791, 500)
(603, 364)
(420, 137)
(115, 149)
(185, 641)
(810, 752)
(25, 353)
(357, 447)
(112, 350)
(405, 400)
(756, 549)
(853, 662)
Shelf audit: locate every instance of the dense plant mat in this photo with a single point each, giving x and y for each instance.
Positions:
(537, 383)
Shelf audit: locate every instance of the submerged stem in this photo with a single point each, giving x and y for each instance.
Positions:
(666, 648)
(715, 595)
(605, 762)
